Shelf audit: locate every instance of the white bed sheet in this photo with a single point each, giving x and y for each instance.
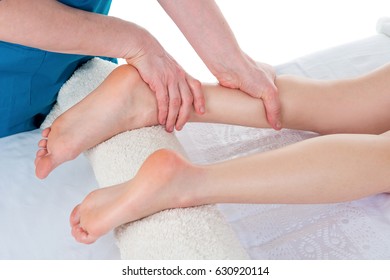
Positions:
(34, 214)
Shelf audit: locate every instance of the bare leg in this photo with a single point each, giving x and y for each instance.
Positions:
(358, 105)
(124, 102)
(326, 169)
(331, 168)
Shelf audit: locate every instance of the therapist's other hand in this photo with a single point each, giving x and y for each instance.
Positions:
(257, 80)
(176, 91)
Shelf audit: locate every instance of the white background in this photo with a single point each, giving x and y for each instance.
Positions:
(272, 31)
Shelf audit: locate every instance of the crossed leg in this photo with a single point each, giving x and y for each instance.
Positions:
(331, 168)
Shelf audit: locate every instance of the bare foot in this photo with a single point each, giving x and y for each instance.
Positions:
(164, 181)
(122, 102)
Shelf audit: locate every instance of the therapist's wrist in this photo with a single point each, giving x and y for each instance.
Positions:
(133, 41)
(230, 70)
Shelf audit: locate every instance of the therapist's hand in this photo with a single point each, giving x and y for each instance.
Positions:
(257, 80)
(176, 91)
(205, 27)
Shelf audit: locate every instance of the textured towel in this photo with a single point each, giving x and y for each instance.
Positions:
(191, 233)
(383, 26)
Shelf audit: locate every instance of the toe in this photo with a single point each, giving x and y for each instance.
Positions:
(45, 132)
(82, 235)
(75, 216)
(75, 230)
(40, 153)
(44, 165)
(78, 233)
(42, 143)
(87, 239)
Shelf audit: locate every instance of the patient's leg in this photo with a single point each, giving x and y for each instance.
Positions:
(357, 105)
(326, 169)
(124, 102)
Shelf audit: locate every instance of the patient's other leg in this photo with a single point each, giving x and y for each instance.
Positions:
(106, 208)
(326, 169)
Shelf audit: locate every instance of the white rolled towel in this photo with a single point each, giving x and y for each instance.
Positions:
(190, 233)
(383, 26)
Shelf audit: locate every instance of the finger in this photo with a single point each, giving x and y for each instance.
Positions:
(162, 103)
(272, 105)
(186, 106)
(174, 106)
(270, 96)
(197, 93)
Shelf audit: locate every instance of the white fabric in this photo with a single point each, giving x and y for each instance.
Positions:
(383, 26)
(34, 214)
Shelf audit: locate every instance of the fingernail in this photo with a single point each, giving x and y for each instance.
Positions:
(279, 125)
(202, 110)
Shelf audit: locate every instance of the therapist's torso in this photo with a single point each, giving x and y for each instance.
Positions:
(31, 78)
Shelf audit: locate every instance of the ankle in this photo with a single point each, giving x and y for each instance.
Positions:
(178, 176)
(193, 191)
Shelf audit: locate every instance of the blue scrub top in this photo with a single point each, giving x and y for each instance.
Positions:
(31, 78)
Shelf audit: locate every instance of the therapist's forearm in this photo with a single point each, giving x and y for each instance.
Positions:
(206, 29)
(52, 26)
